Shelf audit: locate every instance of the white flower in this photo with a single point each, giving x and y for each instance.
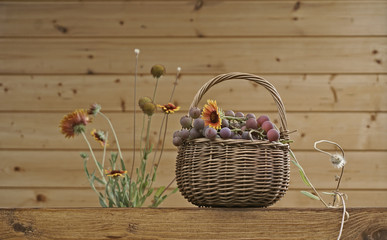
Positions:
(137, 51)
(337, 160)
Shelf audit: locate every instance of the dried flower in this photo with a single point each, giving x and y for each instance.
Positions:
(115, 173)
(338, 161)
(144, 100)
(100, 137)
(211, 115)
(137, 51)
(94, 109)
(157, 70)
(169, 108)
(74, 123)
(149, 108)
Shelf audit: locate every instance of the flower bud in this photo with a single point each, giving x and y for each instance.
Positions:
(149, 108)
(158, 70)
(143, 100)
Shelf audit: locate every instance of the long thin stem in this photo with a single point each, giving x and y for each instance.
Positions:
(165, 189)
(154, 92)
(175, 83)
(94, 158)
(162, 145)
(157, 143)
(307, 179)
(134, 113)
(343, 218)
(114, 133)
(104, 150)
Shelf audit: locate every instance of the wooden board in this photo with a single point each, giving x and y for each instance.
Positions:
(29, 131)
(85, 197)
(186, 19)
(114, 92)
(150, 223)
(198, 56)
(364, 170)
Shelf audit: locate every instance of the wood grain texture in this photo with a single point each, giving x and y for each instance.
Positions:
(364, 170)
(354, 131)
(184, 223)
(42, 197)
(114, 92)
(214, 18)
(199, 55)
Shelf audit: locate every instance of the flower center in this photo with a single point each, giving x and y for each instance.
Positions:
(214, 118)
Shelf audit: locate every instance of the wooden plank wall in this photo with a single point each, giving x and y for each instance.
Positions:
(326, 58)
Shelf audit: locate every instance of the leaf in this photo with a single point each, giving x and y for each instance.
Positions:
(85, 166)
(308, 194)
(102, 202)
(123, 165)
(159, 191)
(329, 193)
(174, 190)
(303, 177)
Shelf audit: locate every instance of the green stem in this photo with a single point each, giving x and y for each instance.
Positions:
(154, 92)
(134, 122)
(307, 179)
(147, 147)
(174, 84)
(104, 150)
(114, 133)
(94, 158)
(158, 140)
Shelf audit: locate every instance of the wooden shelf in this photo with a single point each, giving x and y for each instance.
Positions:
(191, 223)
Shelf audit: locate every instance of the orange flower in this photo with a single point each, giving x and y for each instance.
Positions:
(115, 173)
(169, 108)
(211, 115)
(74, 123)
(100, 136)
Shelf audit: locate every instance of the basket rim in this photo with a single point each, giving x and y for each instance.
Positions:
(235, 141)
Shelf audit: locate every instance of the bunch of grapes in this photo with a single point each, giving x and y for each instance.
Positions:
(233, 126)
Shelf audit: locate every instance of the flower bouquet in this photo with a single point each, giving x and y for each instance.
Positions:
(115, 184)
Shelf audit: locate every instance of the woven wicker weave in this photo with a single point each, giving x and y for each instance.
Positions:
(234, 173)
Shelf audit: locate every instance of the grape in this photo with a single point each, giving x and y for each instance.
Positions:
(184, 134)
(194, 112)
(198, 124)
(176, 134)
(236, 136)
(229, 113)
(225, 133)
(225, 123)
(251, 123)
(273, 135)
(246, 135)
(193, 134)
(243, 128)
(262, 119)
(239, 114)
(266, 126)
(177, 141)
(250, 115)
(210, 133)
(185, 122)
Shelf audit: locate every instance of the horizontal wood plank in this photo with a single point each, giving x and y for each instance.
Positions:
(353, 131)
(114, 92)
(85, 197)
(364, 170)
(199, 56)
(165, 223)
(220, 18)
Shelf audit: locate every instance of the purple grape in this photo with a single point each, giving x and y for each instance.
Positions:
(185, 122)
(176, 134)
(229, 113)
(239, 114)
(225, 123)
(184, 134)
(251, 123)
(262, 119)
(273, 135)
(177, 141)
(210, 133)
(198, 124)
(266, 126)
(236, 136)
(225, 133)
(246, 135)
(250, 115)
(194, 112)
(193, 134)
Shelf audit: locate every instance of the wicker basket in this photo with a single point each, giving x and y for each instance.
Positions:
(234, 173)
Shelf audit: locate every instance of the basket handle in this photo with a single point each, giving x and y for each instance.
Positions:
(249, 77)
